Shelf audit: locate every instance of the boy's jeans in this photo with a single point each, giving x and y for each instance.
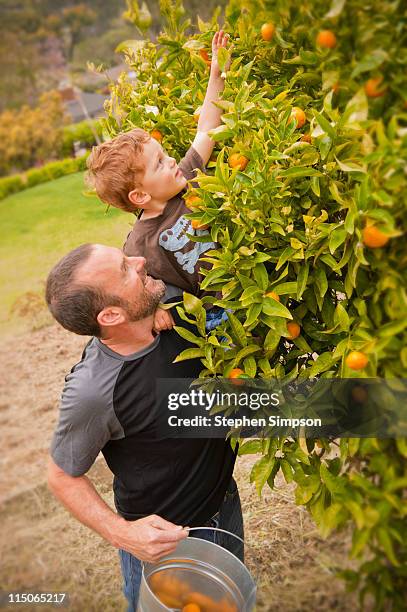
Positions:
(229, 517)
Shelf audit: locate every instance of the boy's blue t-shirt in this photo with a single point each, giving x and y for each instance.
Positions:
(171, 256)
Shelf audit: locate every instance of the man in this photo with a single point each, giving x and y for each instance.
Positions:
(161, 486)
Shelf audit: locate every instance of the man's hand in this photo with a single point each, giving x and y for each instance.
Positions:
(149, 538)
(219, 40)
(162, 320)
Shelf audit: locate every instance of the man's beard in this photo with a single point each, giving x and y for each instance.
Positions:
(147, 301)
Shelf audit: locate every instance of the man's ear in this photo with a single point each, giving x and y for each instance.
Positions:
(139, 198)
(111, 316)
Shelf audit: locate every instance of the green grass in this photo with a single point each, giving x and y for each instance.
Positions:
(38, 226)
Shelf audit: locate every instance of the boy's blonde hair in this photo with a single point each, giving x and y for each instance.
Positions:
(115, 168)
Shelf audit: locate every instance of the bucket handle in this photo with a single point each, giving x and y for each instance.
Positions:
(229, 533)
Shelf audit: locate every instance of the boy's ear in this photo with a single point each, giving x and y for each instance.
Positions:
(139, 198)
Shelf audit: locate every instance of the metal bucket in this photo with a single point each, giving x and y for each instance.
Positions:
(201, 573)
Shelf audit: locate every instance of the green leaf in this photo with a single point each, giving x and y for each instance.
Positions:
(356, 512)
(402, 446)
(297, 172)
(302, 279)
(325, 125)
(187, 335)
(244, 352)
(337, 237)
(222, 132)
(357, 108)
(288, 288)
(192, 304)
(252, 314)
(261, 276)
(275, 309)
(285, 255)
(335, 484)
(261, 471)
(287, 471)
(320, 281)
(359, 540)
(251, 294)
(212, 275)
(251, 447)
(387, 545)
(373, 60)
(350, 166)
(271, 340)
(190, 353)
(322, 363)
(237, 330)
(315, 186)
(393, 328)
(249, 366)
(335, 9)
(341, 317)
(333, 516)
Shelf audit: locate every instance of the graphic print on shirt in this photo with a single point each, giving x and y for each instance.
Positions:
(175, 238)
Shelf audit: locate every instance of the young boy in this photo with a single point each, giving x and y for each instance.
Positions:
(133, 172)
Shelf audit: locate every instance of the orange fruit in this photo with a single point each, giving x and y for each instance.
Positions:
(156, 134)
(168, 600)
(373, 237)
(238, 161)
(193, 201)
(356, 360)
(192, 607)
(306, 138)
(196, 224)
(274, 295)
(359, 394)
(202, 601)
(235, 373)
(298, 114)
(267, 31)
(326, 39)
(372, 88)
(293, 329)
(205, 57)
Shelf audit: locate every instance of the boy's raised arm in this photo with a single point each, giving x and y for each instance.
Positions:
(209, 117)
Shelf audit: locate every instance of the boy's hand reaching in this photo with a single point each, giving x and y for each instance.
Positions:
(210, 115)
(219, 40)
(162, 320)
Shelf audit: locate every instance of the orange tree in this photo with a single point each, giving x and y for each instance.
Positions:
(305, 197)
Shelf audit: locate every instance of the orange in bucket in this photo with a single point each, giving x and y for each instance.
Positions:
(191, 608)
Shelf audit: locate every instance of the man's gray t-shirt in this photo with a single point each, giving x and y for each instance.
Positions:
(108, 404)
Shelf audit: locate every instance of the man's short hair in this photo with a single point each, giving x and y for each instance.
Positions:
(73, 305)
(115, 168)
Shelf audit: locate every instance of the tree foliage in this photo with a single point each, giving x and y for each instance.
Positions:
(293, 222)
(30, 136)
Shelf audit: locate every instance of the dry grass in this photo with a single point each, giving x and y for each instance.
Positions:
(44, 549)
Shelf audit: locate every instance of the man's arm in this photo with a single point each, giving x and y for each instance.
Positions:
(148, 538)
(210, 115)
